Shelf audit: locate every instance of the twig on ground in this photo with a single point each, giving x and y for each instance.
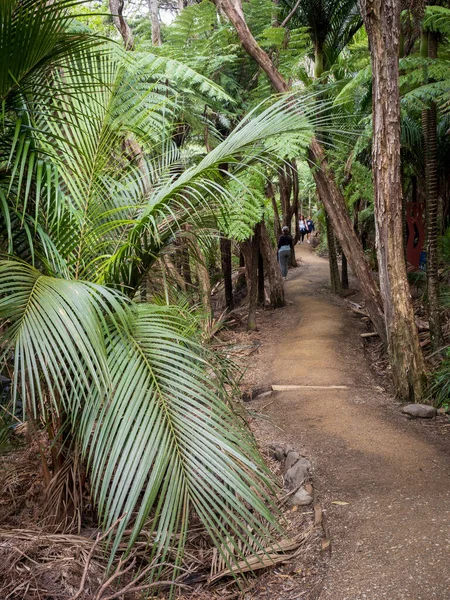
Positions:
(99, 538)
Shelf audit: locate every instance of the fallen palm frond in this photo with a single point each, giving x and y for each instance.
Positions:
(282, 551)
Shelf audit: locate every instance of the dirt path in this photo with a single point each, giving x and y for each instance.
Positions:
(392, 540)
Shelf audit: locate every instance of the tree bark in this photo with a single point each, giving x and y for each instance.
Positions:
(250, 250)
(225, 255)
(332, 258)
(269, 253)
(261, 290)
(153, 6)
(276, 216)
(344, 272)
(324, 178)
(116, 9)
(382, 21)
(430, 135)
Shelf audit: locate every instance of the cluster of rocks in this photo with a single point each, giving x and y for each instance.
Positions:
(295, 474)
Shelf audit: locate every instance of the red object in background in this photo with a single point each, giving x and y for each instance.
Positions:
(415, 235)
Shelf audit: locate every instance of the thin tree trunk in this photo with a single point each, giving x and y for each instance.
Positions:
(276, 216)
(276, 288)
(153, 6)
(116, 9)
(344, 272)
(332, 258)
(437, 339)
(382, 21)
(285, 185)
(241, 280)
(250, 250)
(324, 178)
(293, 210)
(261, 294)
(225, 255)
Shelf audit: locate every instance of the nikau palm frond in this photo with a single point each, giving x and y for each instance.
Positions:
(146, 406)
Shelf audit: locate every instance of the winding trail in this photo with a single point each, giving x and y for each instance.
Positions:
(392, 540)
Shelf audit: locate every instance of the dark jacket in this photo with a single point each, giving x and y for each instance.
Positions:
(285, 240)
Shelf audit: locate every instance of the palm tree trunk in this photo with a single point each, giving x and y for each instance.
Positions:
(430, 134)
(318, 62)
(382, 21)
(329, 191)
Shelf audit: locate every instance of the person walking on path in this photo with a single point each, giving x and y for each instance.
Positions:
(303, 228)
(310, 227)
(285, 246)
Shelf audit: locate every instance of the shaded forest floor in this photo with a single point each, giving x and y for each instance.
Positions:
(383, 479)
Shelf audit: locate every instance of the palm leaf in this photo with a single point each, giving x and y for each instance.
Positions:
(148, 408)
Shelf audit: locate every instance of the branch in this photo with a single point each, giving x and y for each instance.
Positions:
(291, 14)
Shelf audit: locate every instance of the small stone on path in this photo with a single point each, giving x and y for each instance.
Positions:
(278, 453)
(297, 474)
(424, 411)
(301, 498)
(291, 459)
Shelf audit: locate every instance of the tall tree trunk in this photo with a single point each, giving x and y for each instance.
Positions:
(332, 258)
(285, 185)
(382, 21)
(153, 6)
(276, 215)
(344, 273)
(293, 210)
(269, 253)
(225, 256)
(116, 9)
(295, 203)
(250, 250)
(430, 134)
(241, 280)
(261, 290)
(329, 191)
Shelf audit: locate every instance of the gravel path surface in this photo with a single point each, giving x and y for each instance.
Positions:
(391, 534)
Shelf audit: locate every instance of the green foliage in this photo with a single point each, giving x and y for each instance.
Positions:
(437, 19)
(440, 384)
(331, 23)
(244, 206)
(93, 189)
(107, 363)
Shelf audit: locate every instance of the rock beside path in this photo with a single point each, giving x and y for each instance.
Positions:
(422, 411)
(301, 498)
(297, 474)
(291, 459)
